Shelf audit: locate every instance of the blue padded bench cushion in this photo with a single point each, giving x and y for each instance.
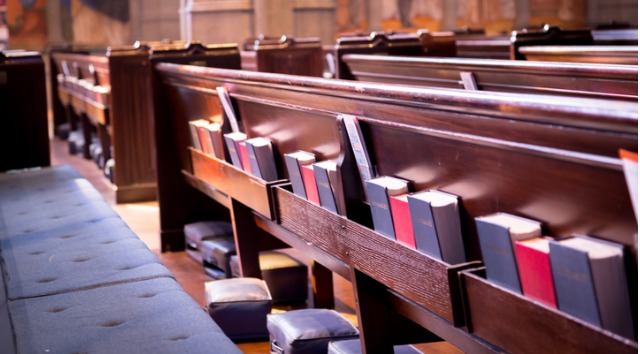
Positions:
(77, 257)
(75, 278)
(151, 316)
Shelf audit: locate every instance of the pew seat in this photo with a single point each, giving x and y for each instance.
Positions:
(76, 278)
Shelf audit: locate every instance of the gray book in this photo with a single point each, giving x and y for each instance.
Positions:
(591, 284)
(232, 140)
(497, 234)
(326, 174)
(261, 158)
(436, 224)
(294, 160)
(378, 190)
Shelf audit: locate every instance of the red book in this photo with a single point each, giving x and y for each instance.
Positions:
(402, 225)
(310, 186)
(534, 267)
(244, 157)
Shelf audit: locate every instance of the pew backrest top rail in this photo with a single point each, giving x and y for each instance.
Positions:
(569, 112)
(558, 78)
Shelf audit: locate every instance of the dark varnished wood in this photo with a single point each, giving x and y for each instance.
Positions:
(494, 317)
(557, 78)
(127, 116)
(548, 35)
(285, 55)
(385, 260)
(407, 44)
(247, 189)
(602, 54)
(549, 158)
(24, 139)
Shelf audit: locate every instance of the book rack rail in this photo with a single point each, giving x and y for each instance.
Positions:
(557, 165)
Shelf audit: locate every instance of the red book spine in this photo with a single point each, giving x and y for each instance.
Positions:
(402, 225)
(535, 274)
(244, 157)
(310, 186)
(203, 139)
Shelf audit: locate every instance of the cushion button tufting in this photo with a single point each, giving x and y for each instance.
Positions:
(146, 296)
(57, 309)
(47, 280)
(111, 324)
(178, 338)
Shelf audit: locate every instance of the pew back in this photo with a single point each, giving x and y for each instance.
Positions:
(554, 78)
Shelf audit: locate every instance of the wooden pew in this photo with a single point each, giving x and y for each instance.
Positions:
(61, 126)
(554, 78)
(285, 55)
(583, 45)
(122, 116)
(474, 43)
(550, 159)
(406, 44)
(24, 141)
(600, 54)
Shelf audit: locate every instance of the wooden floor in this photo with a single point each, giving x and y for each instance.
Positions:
(143, 218)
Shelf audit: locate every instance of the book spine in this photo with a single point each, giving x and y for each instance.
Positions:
(424, 227)
(402, 221)
(205, 141)
(450, 236)
(253, 161)
(497, 253)
(244, 156)
(536, 279)
(325, 191)
(610, 283)
(233, 152)
(311, 189)
(380, 210)
(293, 167)
(195, 136)
(575, 293)
(216, 142)
(266, 162)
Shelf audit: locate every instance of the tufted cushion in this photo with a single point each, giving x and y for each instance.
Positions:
(151, 316)
(308, 331)
(352, 346)
(287, 277)
(216, 253)
(104, 252)
(196, 232)
(239, 306)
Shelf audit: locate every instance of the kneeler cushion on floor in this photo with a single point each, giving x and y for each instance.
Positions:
(239, 306)
(307, 331)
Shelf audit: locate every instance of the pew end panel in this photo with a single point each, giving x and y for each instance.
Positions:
(24, 141)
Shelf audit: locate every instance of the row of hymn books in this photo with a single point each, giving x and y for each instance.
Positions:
(254, 156)
(580, 275)
(311, 180)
